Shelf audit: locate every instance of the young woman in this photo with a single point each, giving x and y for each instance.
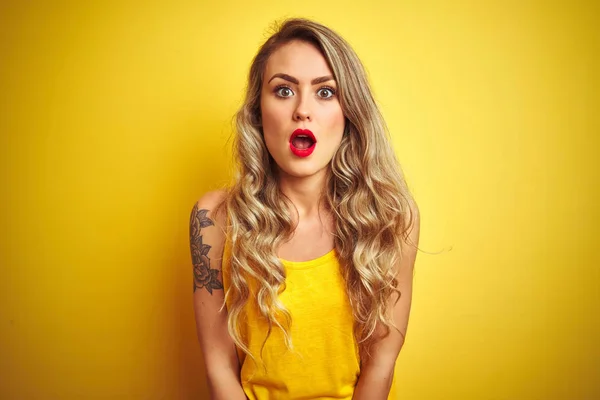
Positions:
(303, 268)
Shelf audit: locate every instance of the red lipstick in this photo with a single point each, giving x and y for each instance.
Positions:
(302, 142)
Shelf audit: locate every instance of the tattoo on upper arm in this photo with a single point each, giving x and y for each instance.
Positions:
(204, 276)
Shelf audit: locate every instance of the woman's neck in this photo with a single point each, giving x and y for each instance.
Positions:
(305, 193)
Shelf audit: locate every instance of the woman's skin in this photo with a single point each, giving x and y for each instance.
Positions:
(290, 100)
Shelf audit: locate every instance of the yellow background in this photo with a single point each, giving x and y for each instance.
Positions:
(114, 119)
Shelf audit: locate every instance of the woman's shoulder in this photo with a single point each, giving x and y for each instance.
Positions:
(212, 199)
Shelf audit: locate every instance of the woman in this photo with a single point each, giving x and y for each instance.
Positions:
(303, 268)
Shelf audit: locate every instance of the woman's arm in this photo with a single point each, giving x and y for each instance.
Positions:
(219, 353)
(375, 380)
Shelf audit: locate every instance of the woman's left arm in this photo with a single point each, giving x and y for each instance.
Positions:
(376, 373)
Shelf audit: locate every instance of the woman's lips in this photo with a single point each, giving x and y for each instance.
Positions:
(309, 136)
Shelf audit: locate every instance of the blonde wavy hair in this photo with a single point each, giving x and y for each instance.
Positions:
(365, 191)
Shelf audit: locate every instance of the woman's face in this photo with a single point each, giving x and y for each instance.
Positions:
(299, 92)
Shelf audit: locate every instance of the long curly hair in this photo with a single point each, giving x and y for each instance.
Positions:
(365, 192)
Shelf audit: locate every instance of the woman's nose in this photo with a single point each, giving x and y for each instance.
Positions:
(302, 112)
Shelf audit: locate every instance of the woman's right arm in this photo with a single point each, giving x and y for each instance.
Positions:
(206, 245)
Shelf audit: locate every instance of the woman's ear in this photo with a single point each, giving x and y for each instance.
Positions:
(346, 127)
(256, 119)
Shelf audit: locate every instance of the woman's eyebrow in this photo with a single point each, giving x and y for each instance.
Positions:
(295, 81)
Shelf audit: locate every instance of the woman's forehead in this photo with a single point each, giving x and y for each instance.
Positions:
(299, 59)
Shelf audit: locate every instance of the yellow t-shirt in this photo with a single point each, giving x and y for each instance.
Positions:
(324, 362)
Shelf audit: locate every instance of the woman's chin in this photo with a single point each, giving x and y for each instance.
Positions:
(301, 171)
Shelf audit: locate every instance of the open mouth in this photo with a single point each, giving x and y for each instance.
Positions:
(302, 142)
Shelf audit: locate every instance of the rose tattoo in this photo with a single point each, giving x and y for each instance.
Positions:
(204, 276)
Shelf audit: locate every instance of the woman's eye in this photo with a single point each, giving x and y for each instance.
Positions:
(325, 93)
(284, 92)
